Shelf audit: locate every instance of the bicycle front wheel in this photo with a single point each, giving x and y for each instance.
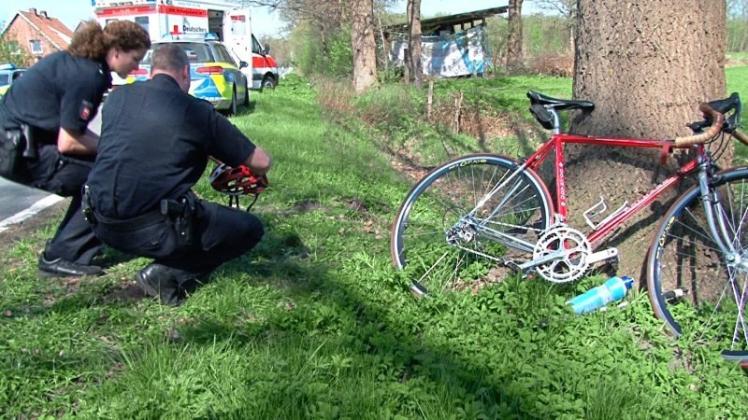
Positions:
(693, 287)
(466, 216)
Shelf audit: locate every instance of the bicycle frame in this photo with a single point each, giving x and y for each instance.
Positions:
(603, 231)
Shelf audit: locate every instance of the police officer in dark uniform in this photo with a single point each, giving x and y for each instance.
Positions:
(43, 130)
(155, 143)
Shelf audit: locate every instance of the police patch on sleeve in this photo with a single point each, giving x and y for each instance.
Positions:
(86, 110)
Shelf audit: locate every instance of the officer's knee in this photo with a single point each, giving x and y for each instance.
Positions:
(254, 230)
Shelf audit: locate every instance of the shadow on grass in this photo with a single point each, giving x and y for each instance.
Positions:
(415, 356)
(246, 109)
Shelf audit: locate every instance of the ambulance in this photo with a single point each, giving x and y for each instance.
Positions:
(227, 21)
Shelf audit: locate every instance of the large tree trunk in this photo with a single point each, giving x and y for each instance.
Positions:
(646, 65)
(364, 45)
(415, 62)
(514, 61)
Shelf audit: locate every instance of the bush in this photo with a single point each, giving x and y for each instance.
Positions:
(11, 52)
(560, 65)
(331, 58)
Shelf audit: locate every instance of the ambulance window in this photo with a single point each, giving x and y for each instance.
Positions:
(142, 21)
(256, 49)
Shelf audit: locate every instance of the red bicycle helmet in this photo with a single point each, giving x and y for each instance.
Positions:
(237, 181)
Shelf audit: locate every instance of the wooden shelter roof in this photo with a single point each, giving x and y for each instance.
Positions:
(434, 24)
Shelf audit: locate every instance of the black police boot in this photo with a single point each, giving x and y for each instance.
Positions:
(59, 267)
(192, 282)
(159, 281)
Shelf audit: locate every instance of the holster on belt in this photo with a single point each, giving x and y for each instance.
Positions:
(16, 143)
(30, 150)
(182, 211)
(86, 207)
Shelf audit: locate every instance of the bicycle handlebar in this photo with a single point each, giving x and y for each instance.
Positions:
(740, 136)
(718, 121)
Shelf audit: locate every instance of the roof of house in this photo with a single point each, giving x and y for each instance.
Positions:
(51, 28)
(431, 25)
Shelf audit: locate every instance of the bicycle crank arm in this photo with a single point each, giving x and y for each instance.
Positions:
(525, 267)
(604, 255)
(593, 258)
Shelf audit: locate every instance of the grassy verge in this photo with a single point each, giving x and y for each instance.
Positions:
(315, 322)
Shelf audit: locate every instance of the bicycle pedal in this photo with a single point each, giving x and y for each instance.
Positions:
(604, 255)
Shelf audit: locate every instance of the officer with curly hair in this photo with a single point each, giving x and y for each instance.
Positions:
(44, 137)
(155, 143)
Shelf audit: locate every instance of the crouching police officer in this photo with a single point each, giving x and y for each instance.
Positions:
(155, 143)
(44, 140)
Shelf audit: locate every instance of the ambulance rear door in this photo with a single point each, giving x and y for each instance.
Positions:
(237, 36)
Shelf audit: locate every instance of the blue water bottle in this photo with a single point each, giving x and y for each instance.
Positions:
(615, 288)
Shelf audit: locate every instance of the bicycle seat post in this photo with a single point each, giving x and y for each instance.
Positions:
(556, 120)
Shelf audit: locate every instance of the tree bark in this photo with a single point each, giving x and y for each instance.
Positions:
(646, 65)
(364, 45)
(514, 59)
(415, 73)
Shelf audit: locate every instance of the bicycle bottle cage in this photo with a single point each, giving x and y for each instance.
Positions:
(541, 104)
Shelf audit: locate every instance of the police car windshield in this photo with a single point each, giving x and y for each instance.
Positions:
(4, 79)
(196, 52)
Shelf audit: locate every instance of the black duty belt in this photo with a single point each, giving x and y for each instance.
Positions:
(180, 212)
(127, 225)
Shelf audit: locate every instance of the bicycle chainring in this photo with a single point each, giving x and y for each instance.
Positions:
(572, 264)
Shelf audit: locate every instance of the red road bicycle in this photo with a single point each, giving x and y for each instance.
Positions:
(480, 210)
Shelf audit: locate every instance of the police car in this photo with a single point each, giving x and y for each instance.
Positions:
(215, 73)
(8, 74)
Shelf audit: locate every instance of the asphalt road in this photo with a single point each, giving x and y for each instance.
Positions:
(15, 198)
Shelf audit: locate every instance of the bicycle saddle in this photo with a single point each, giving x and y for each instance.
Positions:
(549, 102)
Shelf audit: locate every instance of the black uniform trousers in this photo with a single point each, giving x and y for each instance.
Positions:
(74, 239)
(219, 234)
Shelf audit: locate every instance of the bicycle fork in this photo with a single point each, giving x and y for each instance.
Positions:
(718, 229)
(736, 261)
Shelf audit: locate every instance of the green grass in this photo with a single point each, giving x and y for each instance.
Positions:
(314, 323)
(737, 81)
(737, 58)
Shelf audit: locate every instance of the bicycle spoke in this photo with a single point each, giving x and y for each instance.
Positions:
(711, 303)
(701, 244)
(740, 321)
(433, 266)
(508, 225)
(702, 233)
(464, 217)
(712, 316)
(454, 274)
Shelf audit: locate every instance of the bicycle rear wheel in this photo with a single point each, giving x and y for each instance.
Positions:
(444, 240)
(691, 285)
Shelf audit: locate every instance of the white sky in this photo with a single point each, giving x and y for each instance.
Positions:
(264, 21)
